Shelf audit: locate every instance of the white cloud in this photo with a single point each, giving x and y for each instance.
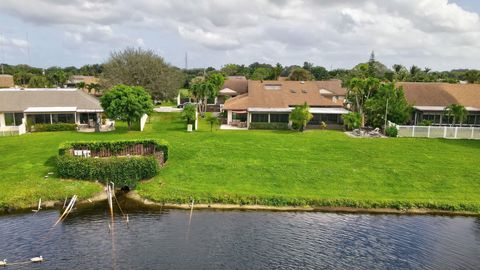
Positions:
(436, 33)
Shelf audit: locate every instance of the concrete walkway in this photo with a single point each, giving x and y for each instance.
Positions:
(167, 109)
(228, 127)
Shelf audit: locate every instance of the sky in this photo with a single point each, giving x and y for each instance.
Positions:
(439, 34)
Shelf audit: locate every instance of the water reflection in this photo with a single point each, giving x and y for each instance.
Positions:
(156, 238)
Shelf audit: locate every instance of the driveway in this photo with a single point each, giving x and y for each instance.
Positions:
(167, 109)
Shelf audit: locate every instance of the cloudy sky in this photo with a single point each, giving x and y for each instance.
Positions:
(439, 34)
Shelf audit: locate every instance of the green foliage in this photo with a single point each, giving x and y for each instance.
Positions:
(38, 82)
(398, 111)
(323, 125)
(189, 113)
(212, 120)
(300, 116)
(472, 76)
(320, 73)
(127, 103)
(262, 125)
(113, 146)
(261, 73)
(359, 91)
(143, 68)
(352, 120)
(457, 111)
(123, 171)
(391, 132)
(300, 74)
(425, 122)
(54, 127)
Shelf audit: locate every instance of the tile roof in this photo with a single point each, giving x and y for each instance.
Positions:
(442, 94)
(6, 80)
(17, 100)
(237, 83)
(284, 94)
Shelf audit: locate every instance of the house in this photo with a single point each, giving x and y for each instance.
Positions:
(47, 106)
(6, 81)
(272, 101)
(74, 81)
(430, 99)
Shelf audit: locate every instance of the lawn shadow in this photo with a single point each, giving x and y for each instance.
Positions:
(51, 163)
(461, 142)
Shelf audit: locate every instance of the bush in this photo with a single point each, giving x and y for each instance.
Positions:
(123, 171)
(262, 125)
(54, 127)
(352, 120)
(426, 123)
(391, 132)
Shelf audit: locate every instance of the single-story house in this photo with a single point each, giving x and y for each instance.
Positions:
(6, 81)
(430, 99)
(272, 102)
(48, 106)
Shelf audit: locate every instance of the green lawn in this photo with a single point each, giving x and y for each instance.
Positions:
(265, 167)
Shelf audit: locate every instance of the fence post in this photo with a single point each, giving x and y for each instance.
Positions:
(473, 129)
(444, 132)
(413, 131)
(456, 131)
(428, 134)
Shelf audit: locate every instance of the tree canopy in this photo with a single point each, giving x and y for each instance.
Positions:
(457, 112)
(144, 68)
(300, 74)
(300, 116)
(389, 101)
(127, 103)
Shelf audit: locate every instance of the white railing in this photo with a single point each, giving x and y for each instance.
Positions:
(9, 131)
(439, 132)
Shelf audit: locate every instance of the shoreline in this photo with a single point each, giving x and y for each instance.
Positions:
(132, 195)
(326, 209)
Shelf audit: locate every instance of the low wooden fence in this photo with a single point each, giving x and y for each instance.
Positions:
(439, 132)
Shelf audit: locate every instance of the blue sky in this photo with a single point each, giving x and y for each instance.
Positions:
(439, 34)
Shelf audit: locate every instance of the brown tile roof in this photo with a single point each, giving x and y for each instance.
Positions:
(86, 79)
(284, 94)
(442, 94)
(237, 83)
(6, 81)
(16, 100)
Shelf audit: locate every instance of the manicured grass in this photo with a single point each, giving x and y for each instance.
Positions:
(266, 167)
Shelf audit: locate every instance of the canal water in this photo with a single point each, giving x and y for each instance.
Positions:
(167, 239)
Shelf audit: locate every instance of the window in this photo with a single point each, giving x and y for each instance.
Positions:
(13, 119)
(41, 118)
(63, 118)
(279, 118)
(327, 118)
(259, 117)
(447, 119)
(272, 87)
(86, 117)
(242, 117)
(435, 118)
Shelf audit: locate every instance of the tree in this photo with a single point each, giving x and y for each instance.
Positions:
(359, 91)
(189, 113)
(56, 76)
(127, 103)
(81, 85)
(300, 74)
(456, 111)
(38, 82)
(300, 116)
(144, 68)
(212, 120)
(320, 73)
(233, 70)
(371, 71)
(472, 76)
(390, 102)
(260, 73)
(203, 88)
(352, 120)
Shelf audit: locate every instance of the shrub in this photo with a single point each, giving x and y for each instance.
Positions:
(262, 125)
(391, 132)
(323, 125)
(426, 123)
(352, 120)
(123, 171)
(54, 127)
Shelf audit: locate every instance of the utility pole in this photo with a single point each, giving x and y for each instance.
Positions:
(186, 60)
(386, 114)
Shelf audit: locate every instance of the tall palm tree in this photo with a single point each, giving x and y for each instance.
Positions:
(457, 111)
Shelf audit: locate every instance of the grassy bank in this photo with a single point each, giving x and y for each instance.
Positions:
(279, 168)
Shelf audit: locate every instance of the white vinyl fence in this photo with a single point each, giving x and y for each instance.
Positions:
(143, 121)
(439, 132)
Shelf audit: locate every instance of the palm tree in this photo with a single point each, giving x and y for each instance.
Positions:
(457, 111)
(360, 90)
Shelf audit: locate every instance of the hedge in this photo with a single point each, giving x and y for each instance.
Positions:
(262, 125)
(113, 146)
(123, 171)
(54, 127)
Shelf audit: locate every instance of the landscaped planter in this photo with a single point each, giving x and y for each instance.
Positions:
(121, 162)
